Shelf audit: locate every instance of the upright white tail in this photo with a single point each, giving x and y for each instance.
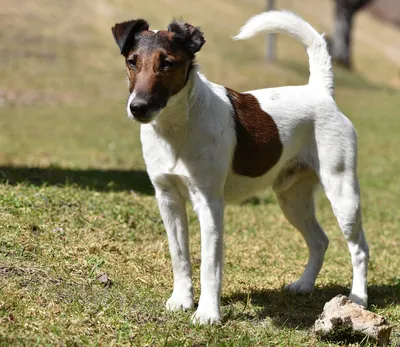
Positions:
(293, 25)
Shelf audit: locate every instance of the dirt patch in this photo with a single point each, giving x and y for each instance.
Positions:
(6, 270)
(32, 97)
(386, 10)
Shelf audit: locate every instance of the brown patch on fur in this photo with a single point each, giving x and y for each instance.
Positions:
(258, 146)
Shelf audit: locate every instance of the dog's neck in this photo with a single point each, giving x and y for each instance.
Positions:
(184, 105)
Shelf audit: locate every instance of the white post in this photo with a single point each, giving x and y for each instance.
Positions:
(271, 38)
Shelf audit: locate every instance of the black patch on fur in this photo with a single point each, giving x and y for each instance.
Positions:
(125, 33)
(189, 36)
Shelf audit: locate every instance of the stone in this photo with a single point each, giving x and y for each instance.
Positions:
(342, 318)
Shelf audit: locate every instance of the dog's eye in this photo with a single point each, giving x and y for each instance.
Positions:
(132, 63)
(167, 64)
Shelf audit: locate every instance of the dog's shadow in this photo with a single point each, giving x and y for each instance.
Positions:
(92, 179)
(300, 311)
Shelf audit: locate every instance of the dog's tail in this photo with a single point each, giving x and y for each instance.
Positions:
(291, 24)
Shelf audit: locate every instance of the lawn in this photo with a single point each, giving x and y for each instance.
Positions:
(83, 252)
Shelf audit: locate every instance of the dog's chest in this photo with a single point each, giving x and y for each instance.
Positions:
(162, 157)
(186, 158)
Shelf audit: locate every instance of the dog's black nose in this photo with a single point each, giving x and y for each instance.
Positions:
(139, 107)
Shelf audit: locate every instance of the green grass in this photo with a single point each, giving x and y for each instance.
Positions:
(76, 202)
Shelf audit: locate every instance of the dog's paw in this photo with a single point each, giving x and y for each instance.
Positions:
(300, 287)
(179, 302)
(203, 317)
(359, 299)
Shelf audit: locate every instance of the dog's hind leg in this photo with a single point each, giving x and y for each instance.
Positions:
(342, 190)
(338, 175)
(297, 204)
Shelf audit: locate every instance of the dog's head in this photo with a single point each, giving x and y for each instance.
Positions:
(157, 63)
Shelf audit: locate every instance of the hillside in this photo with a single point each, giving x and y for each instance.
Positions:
(64, 52)
(386, 10)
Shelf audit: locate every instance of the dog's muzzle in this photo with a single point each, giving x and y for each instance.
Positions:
(140, 110)
(143, 112)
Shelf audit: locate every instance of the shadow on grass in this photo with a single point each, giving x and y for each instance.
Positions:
(300, 311)
(93, 179)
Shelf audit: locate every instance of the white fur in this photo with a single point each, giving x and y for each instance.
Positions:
(188, 152)
(290, 24)
(128, 110)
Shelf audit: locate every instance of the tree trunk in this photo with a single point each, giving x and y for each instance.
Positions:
(341, 41)
(341, 49)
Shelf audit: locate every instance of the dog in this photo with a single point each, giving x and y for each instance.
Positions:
(211, 145)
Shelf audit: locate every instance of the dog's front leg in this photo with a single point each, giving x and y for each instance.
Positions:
(173, 212)
(210, 210)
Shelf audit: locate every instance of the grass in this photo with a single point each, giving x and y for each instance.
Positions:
(76, 203)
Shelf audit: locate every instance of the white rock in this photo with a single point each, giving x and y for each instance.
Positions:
(342, 316)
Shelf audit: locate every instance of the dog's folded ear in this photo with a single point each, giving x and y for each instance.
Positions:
(125, 33)
(191, 37)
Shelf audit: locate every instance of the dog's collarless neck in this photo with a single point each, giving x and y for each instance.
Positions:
(177, 111)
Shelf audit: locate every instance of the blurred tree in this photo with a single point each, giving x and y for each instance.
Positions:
(341, 40)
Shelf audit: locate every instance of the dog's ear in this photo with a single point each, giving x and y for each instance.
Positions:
(191, 37)
(125, 33)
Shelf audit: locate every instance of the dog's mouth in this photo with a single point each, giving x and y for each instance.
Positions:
(145, 118)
